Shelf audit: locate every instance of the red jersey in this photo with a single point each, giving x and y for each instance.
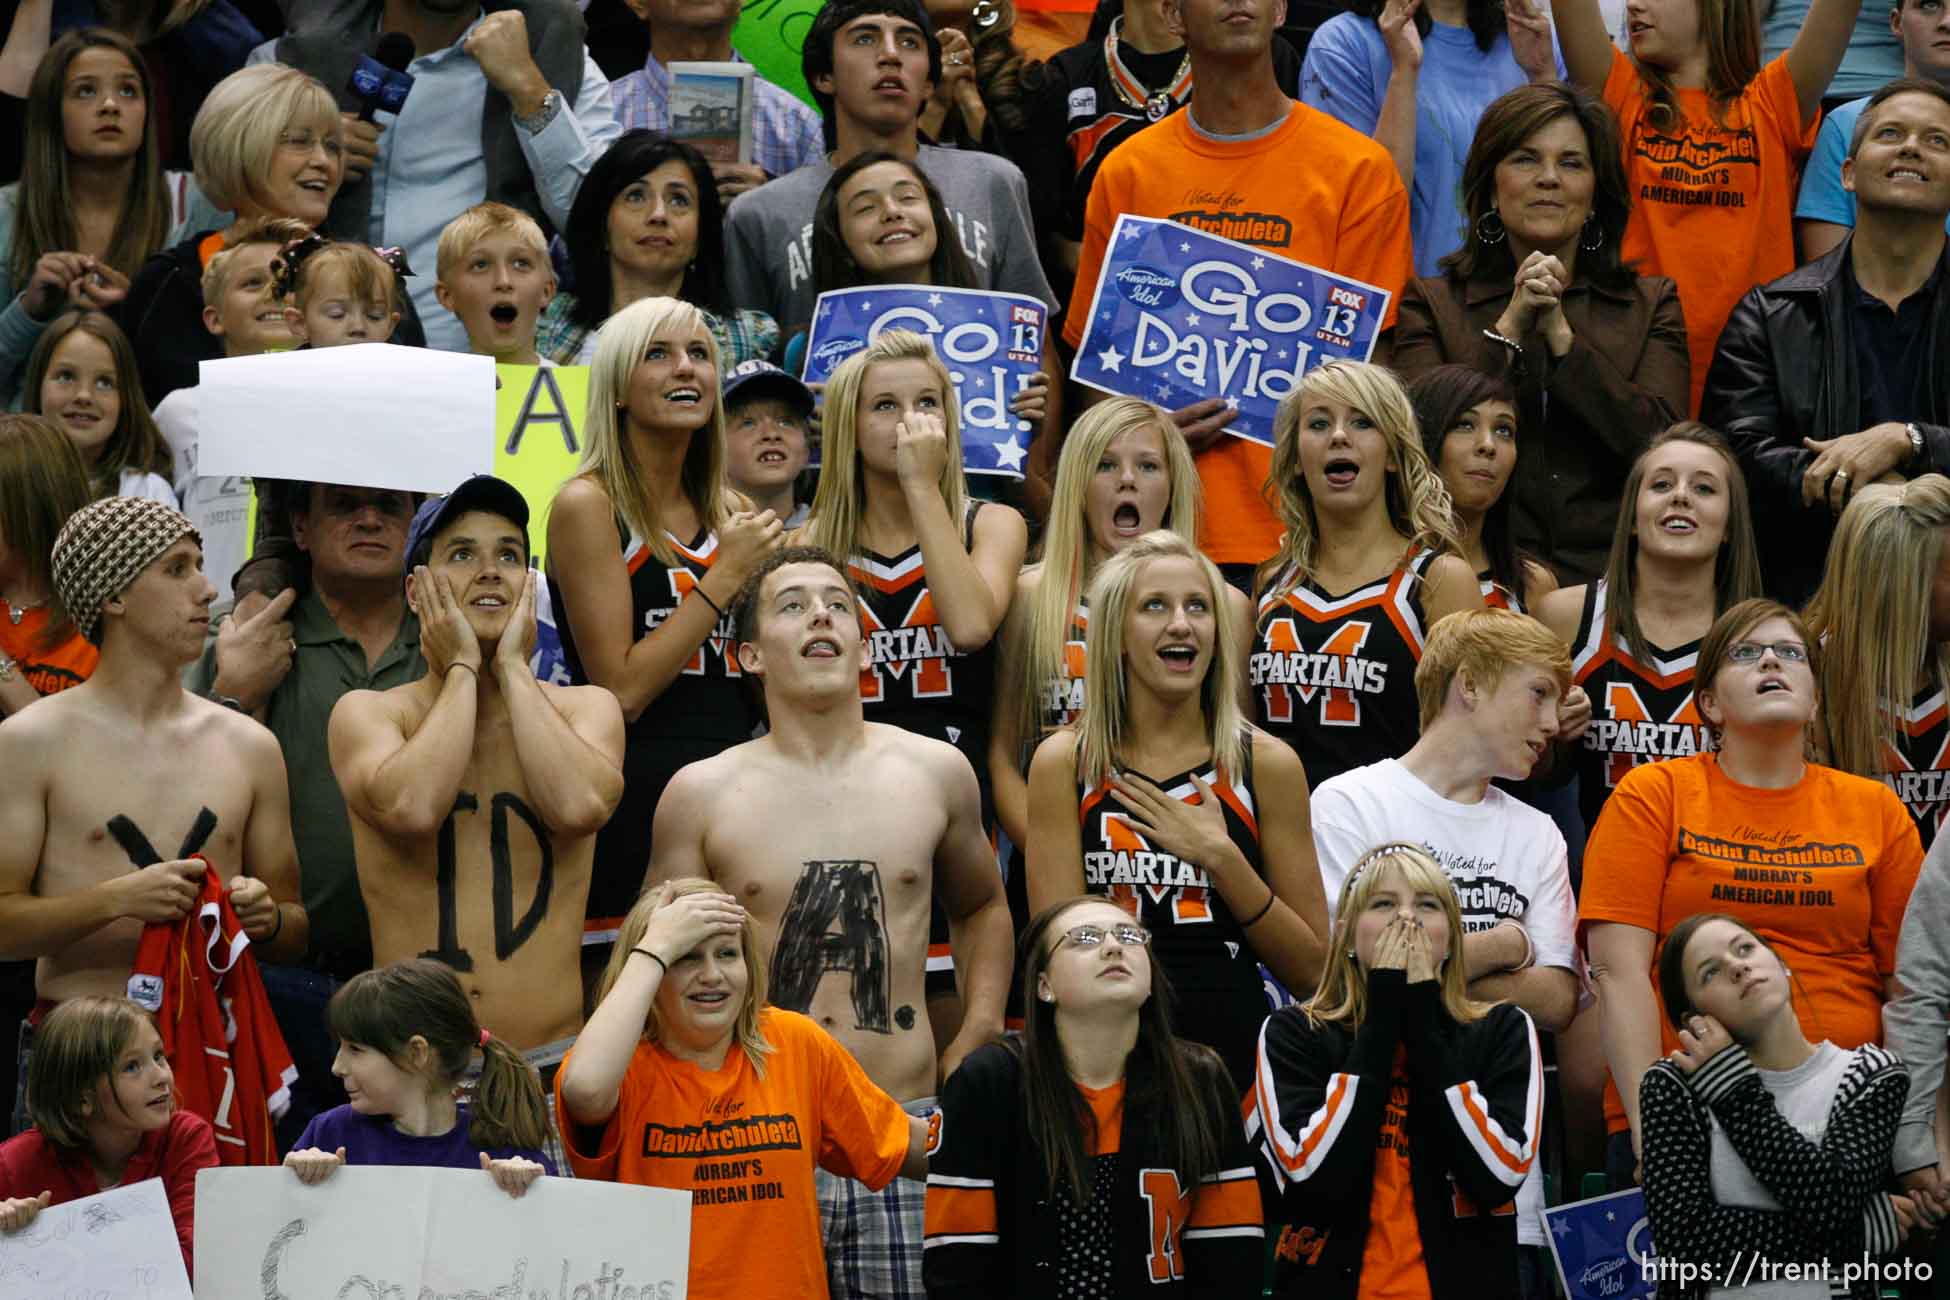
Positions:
(232, 1068)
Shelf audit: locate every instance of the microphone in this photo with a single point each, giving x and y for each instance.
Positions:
(379, 80)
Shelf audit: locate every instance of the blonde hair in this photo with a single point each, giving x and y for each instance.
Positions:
(276, 231)
(1871, 617)
(242, 121)
(746, 1030)
(1100, 729)
(1066, 565)
(1485, 643)
(1343, 994)
(1418, 503)
(840, 504)
(476, 224)
(607, 456)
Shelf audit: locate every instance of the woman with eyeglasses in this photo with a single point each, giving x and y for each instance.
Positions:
(1816, 862)
(1398, 1115)
(1164, 799)
(1099, 1155)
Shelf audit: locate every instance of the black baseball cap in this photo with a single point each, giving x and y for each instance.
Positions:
(760, 378)
(481, 492)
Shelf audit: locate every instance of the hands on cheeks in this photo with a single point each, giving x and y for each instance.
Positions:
(446, 637)
(517, 644)
(1701, 1038)
(314, 1166)
(23, 1210)
(1404, 946)
(513, 1175)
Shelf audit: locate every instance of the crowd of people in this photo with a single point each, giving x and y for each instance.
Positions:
(1201, 865)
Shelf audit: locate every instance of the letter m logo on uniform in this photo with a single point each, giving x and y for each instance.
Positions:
(1190, 904)
(1636, 736)
(932, 676)
(1339, 705)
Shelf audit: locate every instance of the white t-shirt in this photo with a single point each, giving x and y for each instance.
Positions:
(1504, 858)
(1803, 1096)
(219, 507)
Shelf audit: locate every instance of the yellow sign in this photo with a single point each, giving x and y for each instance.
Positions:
(538, 442)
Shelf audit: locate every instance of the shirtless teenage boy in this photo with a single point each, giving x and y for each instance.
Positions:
(129, 770)
(835, 833)
(476, 792)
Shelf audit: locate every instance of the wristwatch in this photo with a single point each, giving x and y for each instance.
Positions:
(537, 122)
(9, 670)
(1915, 443)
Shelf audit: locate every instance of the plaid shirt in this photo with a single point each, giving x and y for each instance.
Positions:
(743, 336)
(785, 132)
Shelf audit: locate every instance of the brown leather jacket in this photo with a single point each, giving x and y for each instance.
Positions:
(1582, 418)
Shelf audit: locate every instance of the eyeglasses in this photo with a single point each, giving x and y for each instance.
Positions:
(1747, 652)
(1089, 936)
(302, 141)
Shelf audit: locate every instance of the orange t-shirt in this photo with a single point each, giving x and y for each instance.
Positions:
(1392, 1267)
(1311, 189)
(1712, 205)
(744, 1147)
(1821, 870)
(52, 668)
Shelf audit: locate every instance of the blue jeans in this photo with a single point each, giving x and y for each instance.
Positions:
(298, 996)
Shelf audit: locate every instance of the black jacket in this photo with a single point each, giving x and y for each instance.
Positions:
(1785, 370)
(1475, 1106)
(993, 1231)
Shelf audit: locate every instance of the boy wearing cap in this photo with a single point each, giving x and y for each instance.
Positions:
(767, 413)
(496, 781)
(113, 786)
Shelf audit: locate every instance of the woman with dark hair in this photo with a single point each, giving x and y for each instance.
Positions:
(987, 83)
(1817, 862)
(1755, 1138)
(647, 224)
(92, 202)
(1416, 75)
(1537, 294)
(1469, 430)
(1099, 1155)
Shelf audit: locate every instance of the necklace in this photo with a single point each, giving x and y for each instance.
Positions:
(1155, 103)
(14, 611)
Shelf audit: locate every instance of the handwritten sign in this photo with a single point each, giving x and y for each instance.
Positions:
(401, 1233)
(1602, 1246)
(1179, 316)
(991, 343)
(121, 1243)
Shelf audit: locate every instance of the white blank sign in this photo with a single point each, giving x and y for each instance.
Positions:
(370, 415)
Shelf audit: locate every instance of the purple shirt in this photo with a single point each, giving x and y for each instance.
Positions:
(372, 1140)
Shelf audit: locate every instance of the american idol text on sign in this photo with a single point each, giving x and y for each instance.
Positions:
(1180, 316)
(991, 343)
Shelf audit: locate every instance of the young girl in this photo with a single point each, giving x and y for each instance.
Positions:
(1398, 1116)
(1690, 834)
(1101, 1113)
(82, 375)
(1163, 798)
(1469, 433)
(1367, 563)
(682, 1041)
(1757, 1140)
(1882, 619)
(880, 220)
(338, 292)
(93, 201)
(1713, 142)
(407, 1038)
(103, 1101)
(646, 549)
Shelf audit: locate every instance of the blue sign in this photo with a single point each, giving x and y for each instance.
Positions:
(1603, 1247)
(991, 343)
(1180, 316)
